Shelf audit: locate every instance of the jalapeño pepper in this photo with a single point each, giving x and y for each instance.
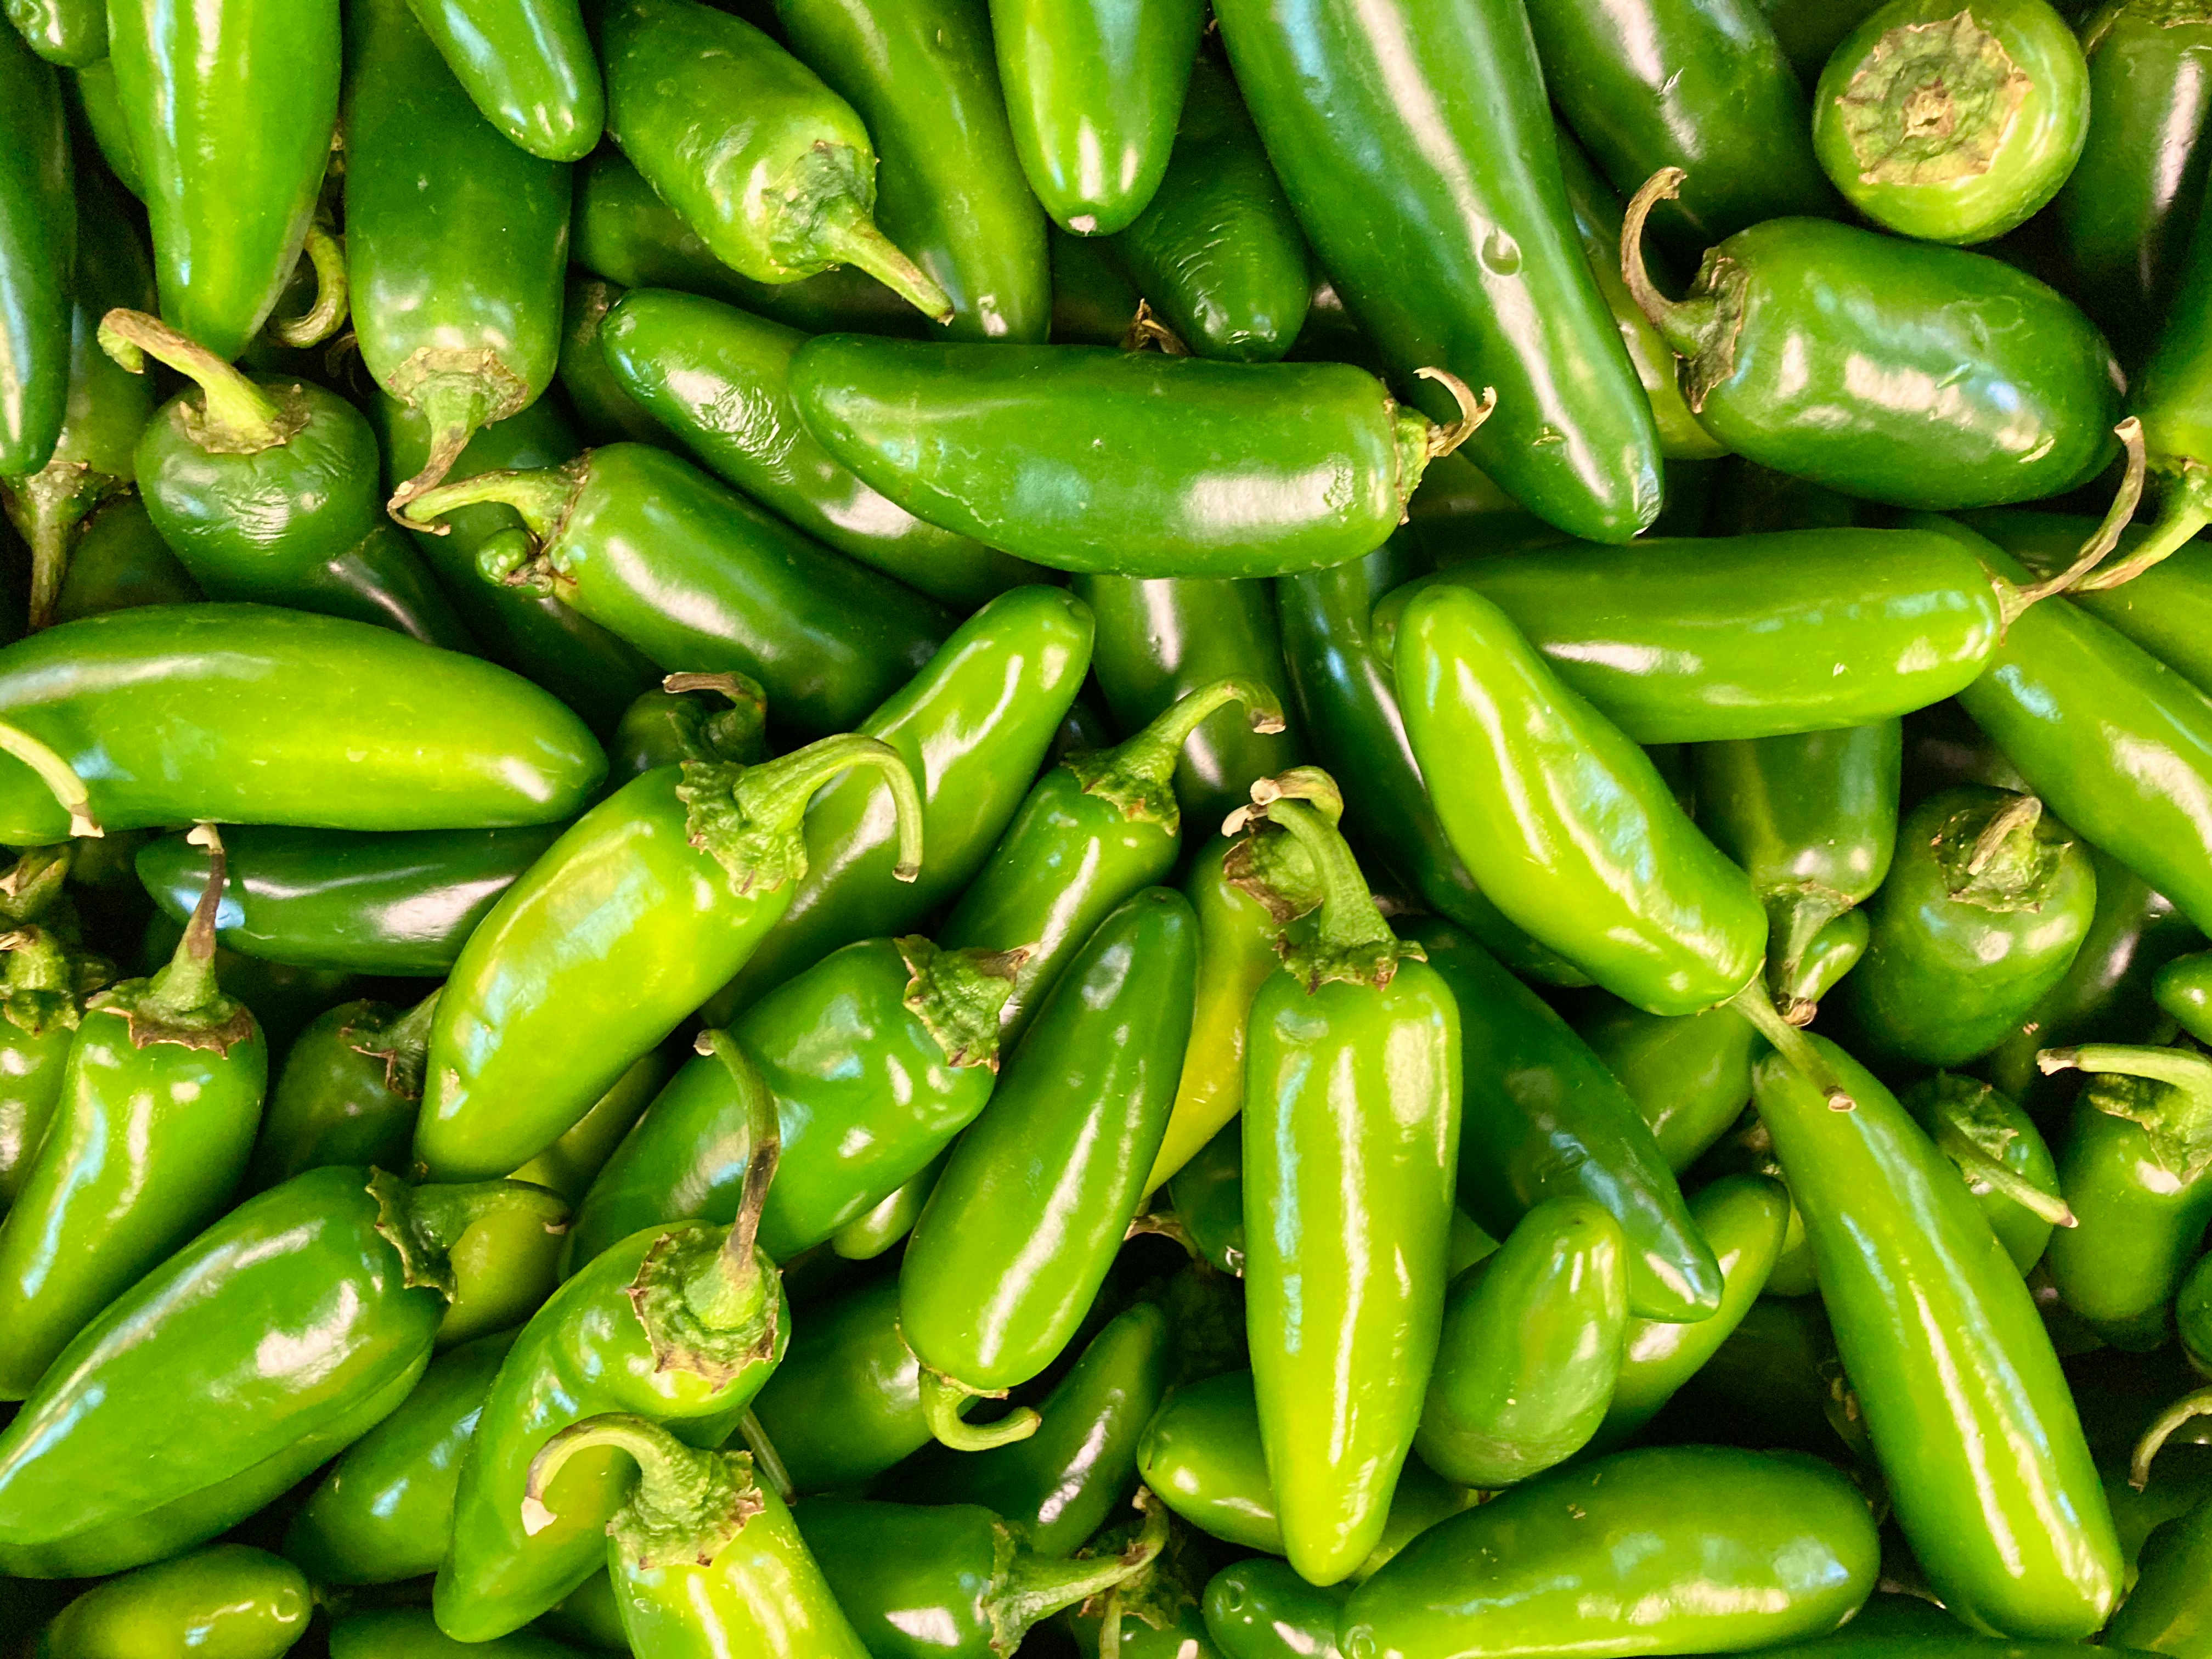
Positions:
(227, 1602)
(38, 240)
(2183, 991)
(1689, 1075)
(604, 412)
(120, 561)
(528, 65)
(2001, 1156)
(42, 989)
(351, 1084)
(845, 1404)
(692, 717)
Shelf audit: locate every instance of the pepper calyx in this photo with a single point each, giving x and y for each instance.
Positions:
(958, 996)
(1137, 776)
(749, 819)
(1267, 863)
(688, 1506)
(423, 1223)
(822, 202)
(2165, 1092)
(1932, 103)
(402, 1044)
(681, 1338)
(2001, 854)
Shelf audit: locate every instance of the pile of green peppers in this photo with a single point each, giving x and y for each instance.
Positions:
(1114, 829)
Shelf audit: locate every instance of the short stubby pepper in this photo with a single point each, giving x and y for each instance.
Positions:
(226, 1601)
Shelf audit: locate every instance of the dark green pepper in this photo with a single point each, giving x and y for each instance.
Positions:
(120, 561)
(226, 1601)
(230, 111)
(93, 88)
(407, 1633)
(870, 1235)
(351, 1085)
(701, 580)
(1922, 376)
(606, 413)
(400, 903)
(2167, 1612)
(672, 725)
(1772, 1383)
(1903, 1627)
(771, 168)
(1979, 920)
(2001, 1156)
(590, 1617)
(38, 243)
(1260, 1609)
(42, 989)
(561, 987)
(1417, 146)
(1216, 252)
(1689, 1075)
(158, 1108)
(278, 1337)
(845, 1404)
(1062, 1154)
(528, 65)
(71, 32)
(2183, 991)
(1092, 303)
(1988, 1471)
(1127, 463)
(456, 239)
(720, 380)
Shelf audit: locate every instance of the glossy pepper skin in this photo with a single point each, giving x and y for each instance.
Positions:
(1098, 827)
(604, 410)
(38, 239)
(400, 903)
(1990, 387)
(1217, 252)
(1698, 84)
(351, 1085)
(226, 1601)
(560, 988)
(384, 1511)
(1713, 1548)
(456, 239)
(527, 65)
(2000, 1155)
(1980, 919)
(771, 169)
(1417, 146)
(973, 726)
(2184, 992)
(1563, 820)
(1062, 1154)
(159, 1104)
(720, 380)
(1689, 1075)
(949, 189)
(1228, 468)
(2132, 1168)
(691, 717)
(1988, 1470)
(263, 1348)
(229, 110)
(1952, 131)
(700, 580)
(43, 987)
(845, 1404)
(1260, 1609)
(1531, 1346)
(70, 32)
(877, 1055)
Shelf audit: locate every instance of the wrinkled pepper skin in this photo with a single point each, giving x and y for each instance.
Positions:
(1684, 1549)
(1416, 143)
(249, 714)
(226, 1601)
(230, 111)
(527, 65)
(38, 241)
(949, 189)
(1217, 252)
(1980, 919)
(720, 380)
(1689, 1076)
(1702, 639)
(1989, 1473)
(384, 1511)
(401, 903)
(845, 1404)
(1226, 469)
(1922, 376)
(1563, 820)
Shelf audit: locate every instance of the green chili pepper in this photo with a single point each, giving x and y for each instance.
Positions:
(1903, 1627)
(1771, 1385)
(552, 998)
(528, 65)
(1979, 920)
(397, 904)
(1416, 143)
(590, 1617)
(1261, 1609)
(1988, 1471)
(120, 562)
(973, 726)
(1157, 1616)
(283, 999)
(92, 87)
(405, 1634)
(1922, 376)
(682, 1324)
(845, 1404)
(951, 194)
(70, 32)
(2184, 992)
(351, 1084)
(1953, 128)
(456, 239)
(2000, 1155)
(1223, 468)
(1062, 1154)
(606, 412)
(1092, 302)
(1217, 252)
(157, 1113)
(42, 989)
(700, 580)
(710, 110)
(720, 380)
(870, 1235)
(1712, 1548)
(227, 1602)
(266, 1345)
(38, 243)
(877, 1056)
(230, 112)
(1207, 1191)
(384, 1511)
(1689, 1075)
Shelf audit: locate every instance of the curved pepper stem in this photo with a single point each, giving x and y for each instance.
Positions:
(2174, 1112)
(1351, 941)
(424, 1223)
(403, 1046)
(328, 314)
(2179, 1067)
(748, 817)
(1136, 775)
(734, 1287)
(1445, 436)
(1683, 323)
(186, 986)
(942, 1397)
(541, 495)
(1037, 1586)
(1756, 1005)
(1968, 1121)
(845, 236)
(2198, 1404)
(688, 1505)
(236, 417)
(2012, 600)
(733, 732)
(456, 408)
(958, 995)
(57, 773)
(2185, 508)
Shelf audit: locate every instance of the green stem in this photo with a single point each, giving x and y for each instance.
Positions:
(1136, 775)
(846, 236)
(35, 881)
(1038, 1586)
(2007, 853)
(455, 406)
(1681, 323)
(244, 418)
(1755, 1005)
(1977, 1165)
(403, 1046)
(766, 1459)
(774, 795)
(541, 496)
(424, 1223)
(328, 314)
(687, 1506)
(57, 773)
(1146, 330)
(186, 986)
(2178, 1068)
(36, 961)
(2187, 510)
(741, 689)
(2012, 600)
(1349, 917)
(941, 1400)
(2198, 1404)
(730, 1291)
(1446, 436)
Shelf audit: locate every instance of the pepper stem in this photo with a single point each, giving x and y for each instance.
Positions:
(959, 995)
(2198, 1404)
(767, 1460)
(456, 406)
(732, 734)
(237, 415)
(942, 1397)
(1756, 1005)
(1446, 436)
(1351, 941)
(35, 881)
(730, 1291)
(2177, 1067)
(2187, 510)
(540, 496)
(845, 236)
(1976, 1165)
(1147, 330)
(57, 773)
(749, 816)
(687, 1506)
(1038, 1586)
(1680, 323)
(403, 1046)
(187, 985)
(424, 1223)
(325, 317)
(1135, 775)
(2012, 600)
(2008, 862)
